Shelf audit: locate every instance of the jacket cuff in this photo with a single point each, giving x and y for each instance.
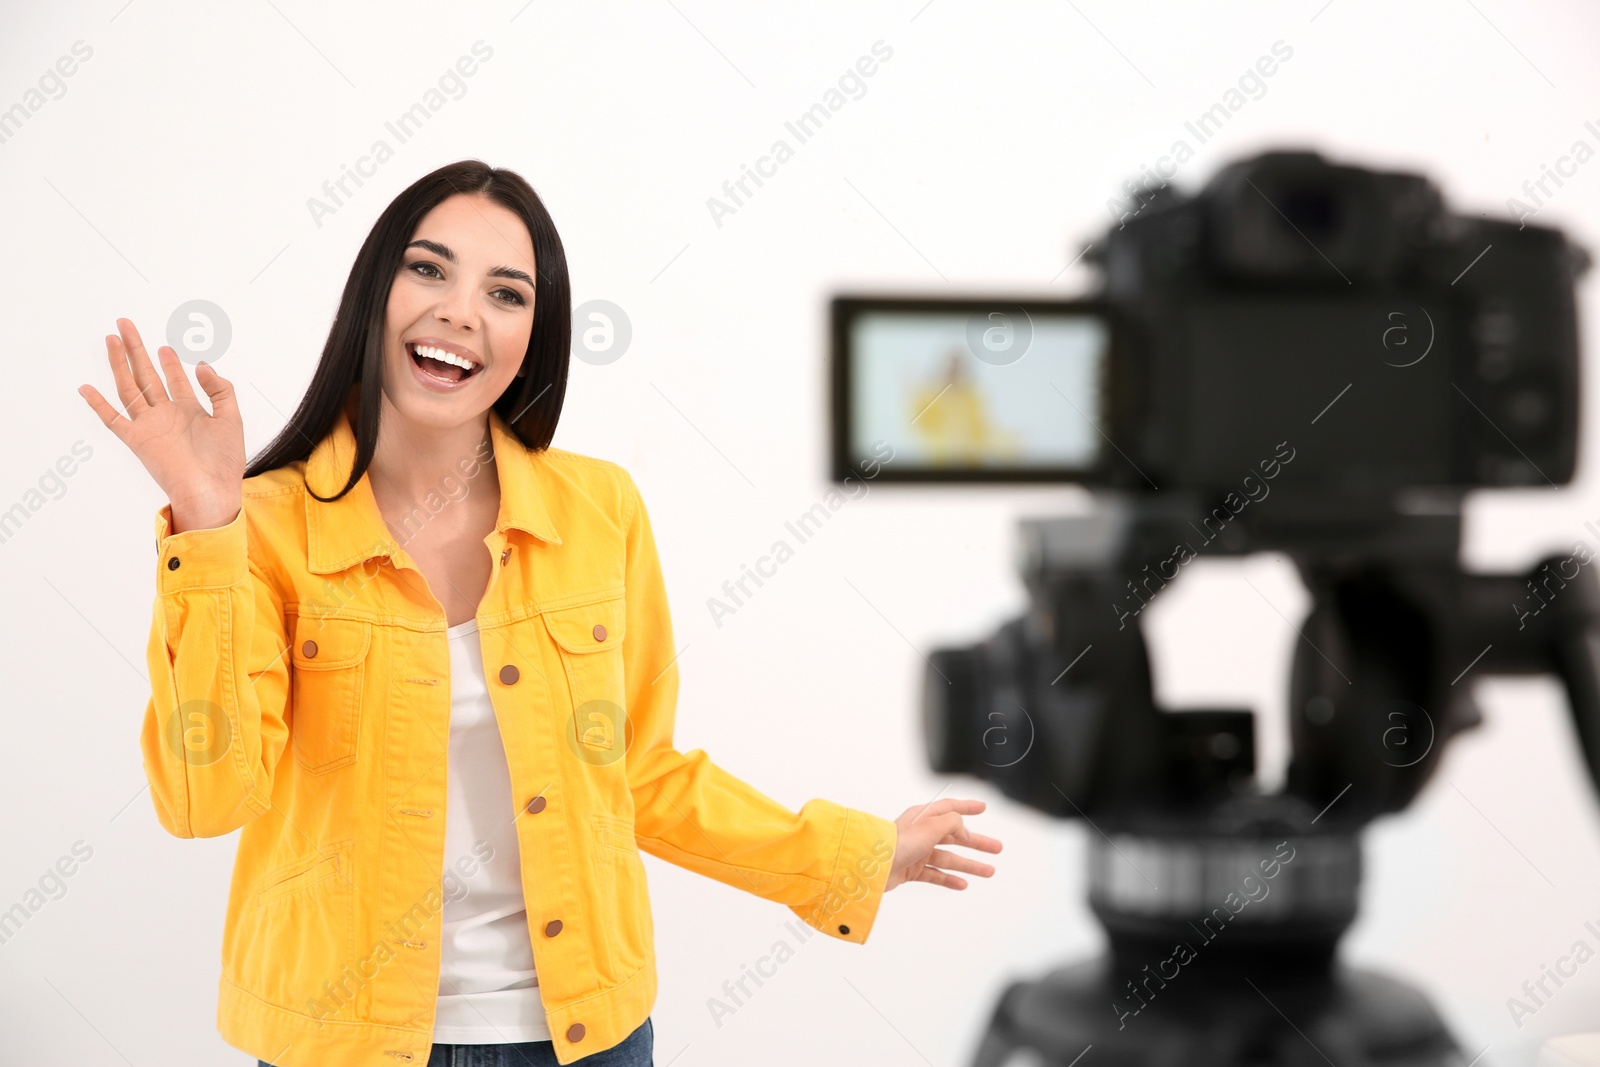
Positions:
(213, 558)
(849, 906)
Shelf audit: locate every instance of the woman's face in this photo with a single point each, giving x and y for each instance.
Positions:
(464, 288)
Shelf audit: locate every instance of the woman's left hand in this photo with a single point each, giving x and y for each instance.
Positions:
(922, 828)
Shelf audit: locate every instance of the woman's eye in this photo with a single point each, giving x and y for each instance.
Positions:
(506, 296)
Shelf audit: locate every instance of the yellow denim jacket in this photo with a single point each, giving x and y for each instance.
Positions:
(301, 695)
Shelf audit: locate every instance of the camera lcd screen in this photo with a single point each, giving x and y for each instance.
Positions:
(969, 391)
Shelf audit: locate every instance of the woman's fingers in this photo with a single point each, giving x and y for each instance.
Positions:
(940, 863)
(127, 389)
(951, 861)
(949, 804)
(952, 831)
(114, 420)
(961, 835)
(938, 877)
(177, 380)
(148, 384)
(224, 402)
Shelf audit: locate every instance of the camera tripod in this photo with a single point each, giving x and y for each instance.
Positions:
(1223, 906)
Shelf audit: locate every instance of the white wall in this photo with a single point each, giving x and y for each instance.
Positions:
(178, 165)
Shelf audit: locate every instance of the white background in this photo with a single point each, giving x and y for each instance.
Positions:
(178, 165)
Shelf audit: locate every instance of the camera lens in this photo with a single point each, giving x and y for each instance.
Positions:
(950, 718)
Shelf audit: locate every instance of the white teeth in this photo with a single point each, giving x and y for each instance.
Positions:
(442, 356)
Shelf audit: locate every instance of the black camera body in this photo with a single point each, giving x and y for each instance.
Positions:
(1292, 297)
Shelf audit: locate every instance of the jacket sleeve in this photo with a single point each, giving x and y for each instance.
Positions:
(828, 863)
(219, 677)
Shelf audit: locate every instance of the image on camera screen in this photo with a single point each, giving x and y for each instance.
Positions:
(990, 389)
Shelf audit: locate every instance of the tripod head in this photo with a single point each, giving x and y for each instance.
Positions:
(1382, 676)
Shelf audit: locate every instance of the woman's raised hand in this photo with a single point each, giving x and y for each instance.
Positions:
(196, 457)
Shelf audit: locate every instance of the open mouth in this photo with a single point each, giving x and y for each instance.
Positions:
(437, 363)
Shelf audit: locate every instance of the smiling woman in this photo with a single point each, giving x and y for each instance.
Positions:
(368, 708)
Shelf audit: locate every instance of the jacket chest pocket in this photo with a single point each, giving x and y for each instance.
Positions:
(330, 658)
(589, 637)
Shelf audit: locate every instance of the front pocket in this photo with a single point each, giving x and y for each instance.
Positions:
(329, 657)
(615, 834)
(624, 899)
(326, 867)
(297, 932)
(589, 637)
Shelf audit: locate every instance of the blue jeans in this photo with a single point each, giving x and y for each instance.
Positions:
(634, 1051)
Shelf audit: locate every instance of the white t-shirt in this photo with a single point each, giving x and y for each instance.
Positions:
(488, 992)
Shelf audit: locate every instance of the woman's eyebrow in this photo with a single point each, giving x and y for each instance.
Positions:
(444, 252)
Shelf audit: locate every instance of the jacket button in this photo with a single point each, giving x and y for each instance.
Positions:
(599, 632)
(536, 805)
(552, 928)
(575, 1032)
(172, 564)
(509, 674)
(843, 929)
(309, 650)
(505, 556)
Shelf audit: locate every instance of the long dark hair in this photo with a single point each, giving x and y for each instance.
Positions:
(531, 404)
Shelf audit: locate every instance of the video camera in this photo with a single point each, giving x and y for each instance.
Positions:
(1306, 358)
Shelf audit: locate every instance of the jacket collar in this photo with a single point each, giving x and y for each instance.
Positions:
(350, 530)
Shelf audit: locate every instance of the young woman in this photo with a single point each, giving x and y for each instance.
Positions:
(462, 635)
